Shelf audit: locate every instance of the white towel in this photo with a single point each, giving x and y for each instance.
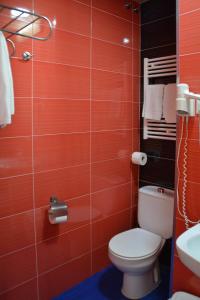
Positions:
(153, 102)
(169, 103)
(6, 85)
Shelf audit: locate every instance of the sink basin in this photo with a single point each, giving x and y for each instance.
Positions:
(184, 296)
(188, 247)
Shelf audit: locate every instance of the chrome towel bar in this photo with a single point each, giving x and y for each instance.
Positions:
(16, 14)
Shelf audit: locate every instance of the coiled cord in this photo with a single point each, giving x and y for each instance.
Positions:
(185, 155)
(183, 213)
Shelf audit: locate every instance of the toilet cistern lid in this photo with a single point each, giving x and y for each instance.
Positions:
(135, 243)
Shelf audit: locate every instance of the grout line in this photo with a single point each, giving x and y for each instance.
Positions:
(90, 176)
(17, 250)
(111, 159)
(161, 46)
(179, 218)
(33, 169)
(16, 176)
(85, 100)
(65, 133)
(189, 12)
(158, 20)
(76, 99)
(16, 137)
(68, 133)
(138, 121)
(191, 182)
(79, 67)
(16, 286)
(63, 233)
(99, 247)
(116, 44)
(110, 188)
(131, 210)
(23, 98)
(88, 194)
(63, 168)
(112, 215)
(139, 135)
(17, 214)
(160, 157)
(85, 4)
(156, 184)
(63, 264)
(188, 54)
(111, 101)
(116, 16)
(87, 68)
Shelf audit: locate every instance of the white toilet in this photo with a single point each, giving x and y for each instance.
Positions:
(135, 251)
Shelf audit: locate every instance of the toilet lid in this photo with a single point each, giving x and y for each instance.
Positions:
(135, 243)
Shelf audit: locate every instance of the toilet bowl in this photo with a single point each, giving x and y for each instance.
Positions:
(135, 251)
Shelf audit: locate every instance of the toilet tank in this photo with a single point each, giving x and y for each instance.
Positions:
(156, 210)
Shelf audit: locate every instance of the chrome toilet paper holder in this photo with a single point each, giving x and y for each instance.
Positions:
(58, 211)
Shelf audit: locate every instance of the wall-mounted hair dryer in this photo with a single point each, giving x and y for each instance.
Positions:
(187, 103)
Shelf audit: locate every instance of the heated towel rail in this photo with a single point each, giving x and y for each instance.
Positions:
(157, 68)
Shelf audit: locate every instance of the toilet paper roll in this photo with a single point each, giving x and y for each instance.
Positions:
(58, 220)
(139, 158)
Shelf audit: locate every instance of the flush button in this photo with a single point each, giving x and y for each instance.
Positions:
(161, 190)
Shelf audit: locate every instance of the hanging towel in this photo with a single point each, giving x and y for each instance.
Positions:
(169, 103)
(6, 85)
(153, 102)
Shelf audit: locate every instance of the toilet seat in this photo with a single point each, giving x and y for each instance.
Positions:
(135, 243)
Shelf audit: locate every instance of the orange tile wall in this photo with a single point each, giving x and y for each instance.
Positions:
(189, 62)
(75, 126)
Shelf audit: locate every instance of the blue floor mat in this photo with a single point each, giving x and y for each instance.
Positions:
(106, 285)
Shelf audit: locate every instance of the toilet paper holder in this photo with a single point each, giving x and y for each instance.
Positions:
(58, 211)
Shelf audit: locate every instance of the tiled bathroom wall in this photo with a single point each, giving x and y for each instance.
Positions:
(189, 60)
(75, 126)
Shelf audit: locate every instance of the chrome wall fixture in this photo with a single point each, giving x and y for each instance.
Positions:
(16, 15)
(58, 211)
(129, 5)
(26, 55)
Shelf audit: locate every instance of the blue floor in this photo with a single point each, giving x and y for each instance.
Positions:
(107, 284)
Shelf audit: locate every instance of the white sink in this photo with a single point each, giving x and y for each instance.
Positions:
(184, 296)
(188, 247)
